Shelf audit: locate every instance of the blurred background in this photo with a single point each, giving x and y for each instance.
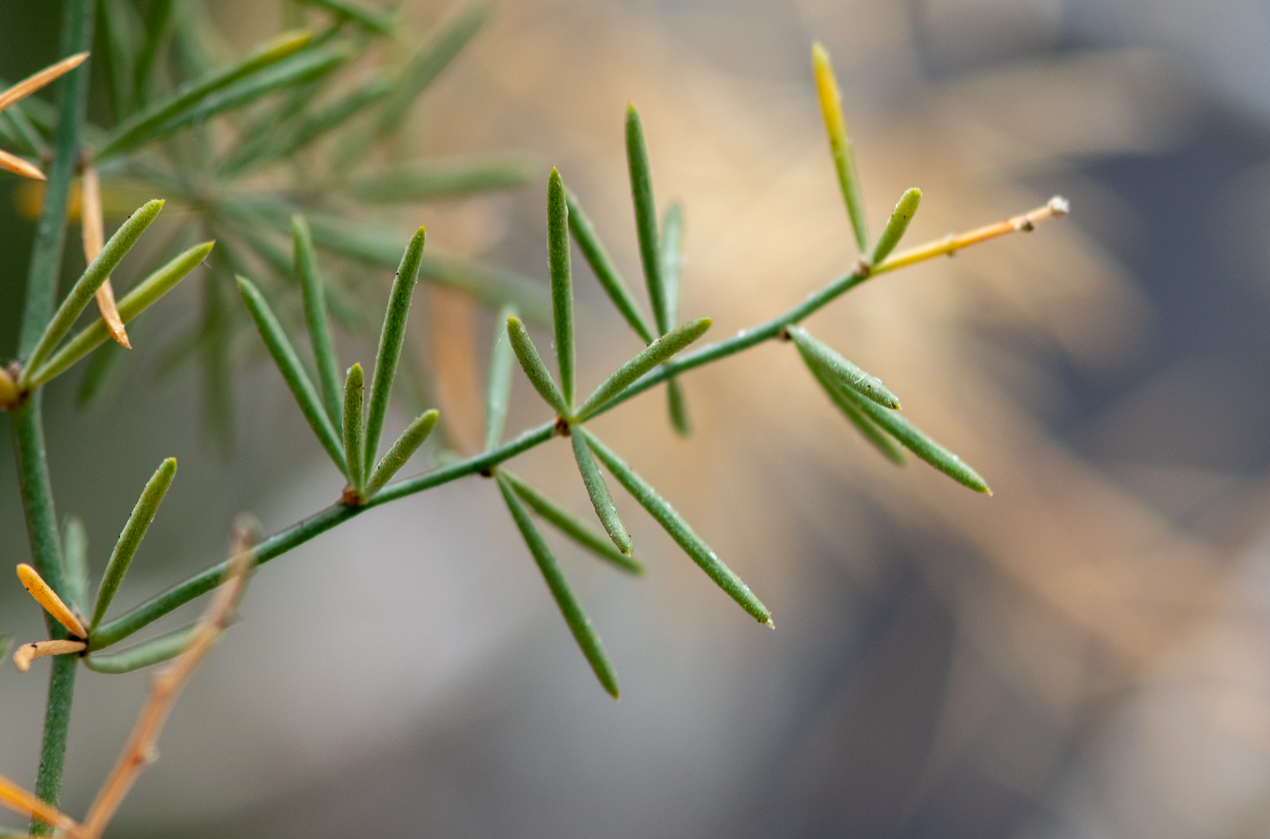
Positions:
(1087, 653)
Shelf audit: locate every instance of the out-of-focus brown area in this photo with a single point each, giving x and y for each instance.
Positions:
(1083, 654)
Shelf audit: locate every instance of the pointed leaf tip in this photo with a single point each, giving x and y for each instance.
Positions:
(576, 619)
(130, 538)
(679, 529)
(903, 213)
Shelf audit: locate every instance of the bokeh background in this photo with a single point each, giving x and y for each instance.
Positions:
(1085, 654)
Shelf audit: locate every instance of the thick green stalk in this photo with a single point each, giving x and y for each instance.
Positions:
(37, 493)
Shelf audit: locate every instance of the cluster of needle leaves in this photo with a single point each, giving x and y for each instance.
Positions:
(348, 422)
(305, 122)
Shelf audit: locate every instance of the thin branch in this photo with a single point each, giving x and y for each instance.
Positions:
(167, 685)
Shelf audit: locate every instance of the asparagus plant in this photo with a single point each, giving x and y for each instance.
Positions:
(348, 419)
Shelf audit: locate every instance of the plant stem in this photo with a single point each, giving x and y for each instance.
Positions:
(37, 493)
(278, 544)
(285, 540)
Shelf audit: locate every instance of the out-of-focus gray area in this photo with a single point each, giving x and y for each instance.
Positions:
(1083, 655)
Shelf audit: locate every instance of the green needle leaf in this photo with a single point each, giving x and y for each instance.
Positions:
(434, 179)
(579, 623)
(390, 339)
(144, 124)
(597, 543)
(918, 443)
(155, 651)
(894, 230)
(598, 490)
(872, 432)
(284, 356)
(678, 408)
(315, 314)
(815, 351)
(605, 271)
(406, 444)
(354, 426)
(130, 538)
(679, 530)
(75, 555)
(498, 396)
(561, 282)
(646, 217)
(672, 237)
(531, 363)
(94, 275)
(655, 353)
(137, 301)
(840, 144)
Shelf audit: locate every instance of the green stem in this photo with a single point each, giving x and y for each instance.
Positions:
(315, 525)
(37, 491)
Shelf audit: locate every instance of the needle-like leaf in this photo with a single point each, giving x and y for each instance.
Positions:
(605, 271)
(400, 452)
(92, 228)
(19, 166)
(903, 213)
(677, 406)
(531, 363)
(39, 79)
(355, 426)
(315, 314)
(586, 537)
(815, 351)
(840, 144)
(579, 624)
(92, 278)
(134, 303)
(498, 395)
(284, 356)
(646, 217)
(679, 530)
(871, 431)
(130, 539)
(391, 337)
(655, 353)
(155, 651)
(52, 603)
(918, 443)
(598, 490)
(432, 179)
(75, 556)
(561, 282)
(146, 123)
